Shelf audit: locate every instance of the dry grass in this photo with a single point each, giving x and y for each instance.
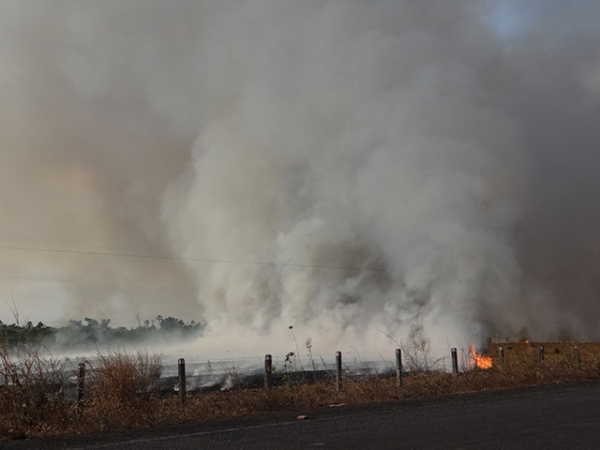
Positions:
(554, 352)
(119, 391)
(30, 392)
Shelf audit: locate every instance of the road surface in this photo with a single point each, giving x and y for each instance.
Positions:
(547, 417)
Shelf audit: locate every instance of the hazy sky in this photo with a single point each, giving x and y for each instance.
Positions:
(236, 161)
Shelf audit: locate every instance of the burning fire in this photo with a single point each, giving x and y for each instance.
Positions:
(481, 362)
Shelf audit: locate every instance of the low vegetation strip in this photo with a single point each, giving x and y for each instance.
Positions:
(121, 390)
(77, 334)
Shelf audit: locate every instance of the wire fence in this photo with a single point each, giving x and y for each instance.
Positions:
(249, 372)
(246, 372)
(163, 375)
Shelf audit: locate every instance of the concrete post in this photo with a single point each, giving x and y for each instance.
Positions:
(182, 382)
(338, 371)
(399, 367)
(454, 361)
(268, 371)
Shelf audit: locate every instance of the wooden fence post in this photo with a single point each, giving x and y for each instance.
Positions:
(80, 387)
(541, 354)
(454, 361)
(399, 367)
(182, 383)
(268, 371)
(338, 371)
(578, 357)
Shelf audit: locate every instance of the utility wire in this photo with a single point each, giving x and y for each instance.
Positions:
(183, 259)
(257, 263)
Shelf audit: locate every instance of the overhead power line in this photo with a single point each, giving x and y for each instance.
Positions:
(260, 263)
(184, 259)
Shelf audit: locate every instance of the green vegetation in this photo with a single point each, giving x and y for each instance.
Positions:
(91, 332)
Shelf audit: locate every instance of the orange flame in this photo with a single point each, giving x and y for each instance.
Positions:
(480, 361)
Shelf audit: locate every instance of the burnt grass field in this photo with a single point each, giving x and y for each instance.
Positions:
(39, 396)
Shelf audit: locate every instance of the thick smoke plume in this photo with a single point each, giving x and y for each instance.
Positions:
(353, 168)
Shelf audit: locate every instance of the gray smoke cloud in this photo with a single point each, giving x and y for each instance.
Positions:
(84, 161)
(448, 150)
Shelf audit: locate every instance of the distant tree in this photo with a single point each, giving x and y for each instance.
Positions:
(90, 332)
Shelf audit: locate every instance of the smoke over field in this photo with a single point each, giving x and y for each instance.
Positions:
(353, 168)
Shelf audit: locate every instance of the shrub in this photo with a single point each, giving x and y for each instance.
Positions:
(121, 389)
(31, 392)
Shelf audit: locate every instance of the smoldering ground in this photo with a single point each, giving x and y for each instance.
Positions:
(353, 168)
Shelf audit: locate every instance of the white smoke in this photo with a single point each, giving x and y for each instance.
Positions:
(360, 169)
(363, 137)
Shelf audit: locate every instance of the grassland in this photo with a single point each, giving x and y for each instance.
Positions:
(120, 391)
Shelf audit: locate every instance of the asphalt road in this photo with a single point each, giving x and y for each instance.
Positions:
(549, 417)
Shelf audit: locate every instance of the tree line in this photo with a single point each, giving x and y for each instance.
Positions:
(90, 332)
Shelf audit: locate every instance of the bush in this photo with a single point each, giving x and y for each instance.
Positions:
(31, 392)
(121, 389)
